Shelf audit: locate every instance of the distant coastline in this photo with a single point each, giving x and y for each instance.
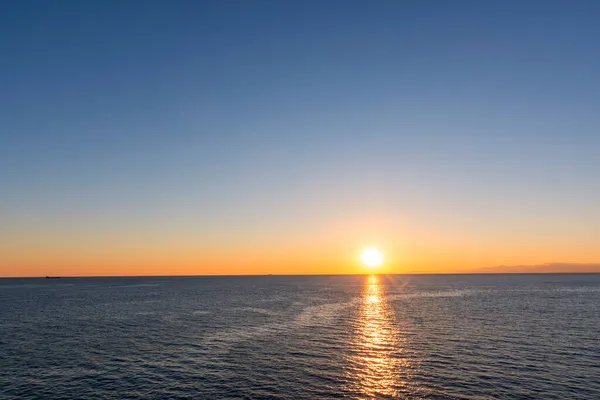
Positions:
(547, 268)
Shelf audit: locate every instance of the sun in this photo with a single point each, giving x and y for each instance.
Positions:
(371, 257)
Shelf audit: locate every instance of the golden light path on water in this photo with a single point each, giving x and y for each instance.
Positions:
(378, 367)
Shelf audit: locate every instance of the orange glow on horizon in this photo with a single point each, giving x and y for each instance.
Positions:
(335, 249)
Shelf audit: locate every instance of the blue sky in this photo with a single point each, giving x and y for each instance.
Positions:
(242, 117)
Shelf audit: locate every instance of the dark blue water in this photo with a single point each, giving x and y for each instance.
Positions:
(438, 337)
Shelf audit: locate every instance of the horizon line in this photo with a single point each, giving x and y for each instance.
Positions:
(291, 275)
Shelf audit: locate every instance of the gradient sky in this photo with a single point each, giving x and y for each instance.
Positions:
(249, 137)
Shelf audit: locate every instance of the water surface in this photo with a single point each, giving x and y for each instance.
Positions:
(304, 337)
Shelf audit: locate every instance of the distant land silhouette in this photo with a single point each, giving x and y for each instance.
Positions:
(548, 268)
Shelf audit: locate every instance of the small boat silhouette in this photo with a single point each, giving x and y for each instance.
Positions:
(52, 277)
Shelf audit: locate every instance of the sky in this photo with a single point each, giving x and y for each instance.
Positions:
(281, 137)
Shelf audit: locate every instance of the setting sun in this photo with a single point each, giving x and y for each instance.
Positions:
(372, 257)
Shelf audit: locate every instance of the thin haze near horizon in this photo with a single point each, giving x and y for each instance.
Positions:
(232, 137)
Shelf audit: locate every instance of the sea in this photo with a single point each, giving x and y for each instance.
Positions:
(302, 337)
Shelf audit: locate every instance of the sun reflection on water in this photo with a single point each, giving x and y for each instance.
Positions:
(378, 368)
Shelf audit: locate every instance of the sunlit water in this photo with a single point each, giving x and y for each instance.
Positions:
(438, 337)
